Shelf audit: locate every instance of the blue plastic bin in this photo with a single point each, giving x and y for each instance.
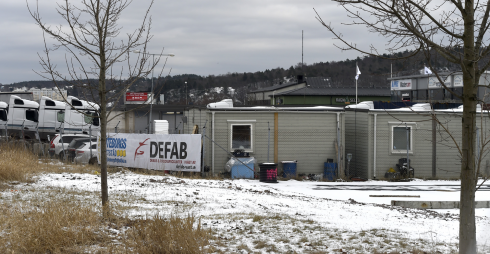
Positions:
(330, 171)
(241, 171)
(289, 169)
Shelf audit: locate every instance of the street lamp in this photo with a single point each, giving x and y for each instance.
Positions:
(186, 93)
(153, 67)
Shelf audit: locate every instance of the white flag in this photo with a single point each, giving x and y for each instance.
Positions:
(427, 70)
(357, 72)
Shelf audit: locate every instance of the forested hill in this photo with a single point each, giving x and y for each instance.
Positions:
(202, 89)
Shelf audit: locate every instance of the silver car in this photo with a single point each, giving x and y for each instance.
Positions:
(82, 153)
(59, 144)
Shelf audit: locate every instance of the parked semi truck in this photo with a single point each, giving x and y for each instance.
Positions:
(51, 117)
(22, 117)
(81, 116)
(3, 117)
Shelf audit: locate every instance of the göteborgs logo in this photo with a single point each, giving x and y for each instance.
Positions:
(140, 152)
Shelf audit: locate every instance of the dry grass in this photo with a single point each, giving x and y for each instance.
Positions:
(18, 163)
(52, 227)
(64, 226)
(173, 235)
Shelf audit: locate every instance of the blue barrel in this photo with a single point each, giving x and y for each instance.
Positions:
(330, 171)
(289, 169)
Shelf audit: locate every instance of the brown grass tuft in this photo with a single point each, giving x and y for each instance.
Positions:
(160, 235)
(52, 227)
(18, 163)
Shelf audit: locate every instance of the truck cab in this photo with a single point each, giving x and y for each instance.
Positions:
(3, 117)
(23, 117)
(81, 116)
(51, 117)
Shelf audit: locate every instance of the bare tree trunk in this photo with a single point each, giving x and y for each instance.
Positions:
(103, 141)
(467, 227)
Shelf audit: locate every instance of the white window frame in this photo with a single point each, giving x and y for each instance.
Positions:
(250, 123)
(412, 127)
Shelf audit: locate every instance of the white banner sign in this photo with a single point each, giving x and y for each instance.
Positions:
(174, 152)
(434, 81)
(405, 84)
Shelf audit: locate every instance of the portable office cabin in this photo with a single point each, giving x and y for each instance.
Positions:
(305, 134)
(377, 138)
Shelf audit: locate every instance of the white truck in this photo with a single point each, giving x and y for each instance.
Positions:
(3, 117)
(82, 117)
(22, 117)
(51, 117)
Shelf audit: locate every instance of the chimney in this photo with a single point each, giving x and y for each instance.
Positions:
(300, 79)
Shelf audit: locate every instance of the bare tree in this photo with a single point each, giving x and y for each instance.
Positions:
(98, 56)
(457, 30)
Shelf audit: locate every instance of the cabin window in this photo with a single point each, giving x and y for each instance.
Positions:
(18, 102)
(399, 141)
(241, 137)
(3, 115)
(32, 115)
(61, 116)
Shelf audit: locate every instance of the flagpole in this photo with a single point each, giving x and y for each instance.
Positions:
(357, 68)
(356, 91)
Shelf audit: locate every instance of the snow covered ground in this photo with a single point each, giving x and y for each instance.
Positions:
(286, 217)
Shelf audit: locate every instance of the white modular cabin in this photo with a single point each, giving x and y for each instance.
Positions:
(379, 134)
(23, 116)
(310, 136)
(81, 116)
(51, 117)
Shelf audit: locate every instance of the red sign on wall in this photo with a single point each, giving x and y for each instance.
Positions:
(136, 96)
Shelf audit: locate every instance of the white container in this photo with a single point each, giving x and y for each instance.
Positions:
(160, 127)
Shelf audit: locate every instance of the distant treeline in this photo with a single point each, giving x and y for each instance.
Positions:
(375, 71)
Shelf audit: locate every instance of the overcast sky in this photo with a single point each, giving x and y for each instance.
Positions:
(208, 37)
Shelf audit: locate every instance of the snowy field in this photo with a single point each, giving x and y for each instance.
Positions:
(286, 217)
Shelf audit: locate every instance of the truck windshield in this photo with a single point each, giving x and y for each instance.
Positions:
(3, 115)
(32, 115)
